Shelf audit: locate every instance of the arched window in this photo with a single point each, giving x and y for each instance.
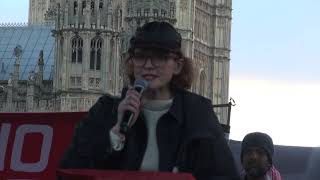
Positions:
(172, 9)
(95, 53)
(116, 20)
(83, 7)
(155, 12)
(120, 18)
(111, 56)
(100, 5)
(139, 12)
(202, 89)
(75, 7)
(92, 7)
(77, 45)
(146, 12)
(163, 12)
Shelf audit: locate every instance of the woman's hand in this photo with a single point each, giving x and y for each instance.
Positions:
(130, 103)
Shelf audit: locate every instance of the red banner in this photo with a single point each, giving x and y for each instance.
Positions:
(31, 144)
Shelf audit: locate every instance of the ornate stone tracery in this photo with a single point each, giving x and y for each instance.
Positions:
(92, 37)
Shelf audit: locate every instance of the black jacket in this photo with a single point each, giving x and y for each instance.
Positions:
(189, 137)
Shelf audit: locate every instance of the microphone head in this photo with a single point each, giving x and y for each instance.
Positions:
(142, 83)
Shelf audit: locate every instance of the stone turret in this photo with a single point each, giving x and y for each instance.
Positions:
(15, 76)
(31, 89)
(40, 66)
(87, 52)
(109, 15)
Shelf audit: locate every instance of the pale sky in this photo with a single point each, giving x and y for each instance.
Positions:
(274, 76)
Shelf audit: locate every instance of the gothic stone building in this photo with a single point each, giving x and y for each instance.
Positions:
(90, 38)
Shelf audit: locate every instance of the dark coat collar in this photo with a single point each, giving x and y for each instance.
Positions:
(176, 109)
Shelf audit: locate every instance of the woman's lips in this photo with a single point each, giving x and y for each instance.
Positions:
(149, 76)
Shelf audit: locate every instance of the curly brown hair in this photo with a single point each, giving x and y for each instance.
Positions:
(183, 80)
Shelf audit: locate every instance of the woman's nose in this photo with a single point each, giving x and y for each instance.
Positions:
(148, 62)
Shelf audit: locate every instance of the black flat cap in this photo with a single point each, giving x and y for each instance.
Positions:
(157, 35)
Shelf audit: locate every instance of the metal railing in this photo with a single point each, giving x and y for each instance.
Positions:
(223, 112)
(14, 24)
(62, 104)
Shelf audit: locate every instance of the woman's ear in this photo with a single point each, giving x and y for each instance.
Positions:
(179, 66)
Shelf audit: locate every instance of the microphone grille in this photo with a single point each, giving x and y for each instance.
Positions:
(141, 82)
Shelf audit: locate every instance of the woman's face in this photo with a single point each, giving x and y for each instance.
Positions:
(156, 67)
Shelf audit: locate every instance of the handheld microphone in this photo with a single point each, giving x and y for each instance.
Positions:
(139, 85)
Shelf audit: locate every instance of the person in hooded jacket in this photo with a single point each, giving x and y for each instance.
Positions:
(257, 157)
(172, 130)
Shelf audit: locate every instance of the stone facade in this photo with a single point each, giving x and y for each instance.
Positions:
(91, 37)
(33, 94)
